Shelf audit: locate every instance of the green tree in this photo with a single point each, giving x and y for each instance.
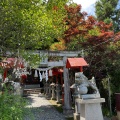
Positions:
(116, 19)
(28, 24)
(106, 11)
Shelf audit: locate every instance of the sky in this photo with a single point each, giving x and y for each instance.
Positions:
(85, 3)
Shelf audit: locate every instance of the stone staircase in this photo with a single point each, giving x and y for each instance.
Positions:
(32, 89)
(32, 86)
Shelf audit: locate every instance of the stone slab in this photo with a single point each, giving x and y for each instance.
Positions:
(90, 96)
(118, 115)
(84, 101)
(91, 112)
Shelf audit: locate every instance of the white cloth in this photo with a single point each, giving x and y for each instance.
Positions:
(35, 75)
(40, 76)
(46, 75)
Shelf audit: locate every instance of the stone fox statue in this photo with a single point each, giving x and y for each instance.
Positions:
(83, 84)
(92, 84)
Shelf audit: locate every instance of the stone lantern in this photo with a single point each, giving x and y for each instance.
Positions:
(53, 90)
(46, 89)
(58, 89)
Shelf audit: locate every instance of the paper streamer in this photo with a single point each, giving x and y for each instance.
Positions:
(40, 76)
(36, 75)
(46, 75)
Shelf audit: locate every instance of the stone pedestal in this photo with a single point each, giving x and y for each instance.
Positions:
(76, 115)
(90, 109)
(118, 115)
(68, 112)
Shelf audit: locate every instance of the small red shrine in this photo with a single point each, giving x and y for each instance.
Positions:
(75, 63)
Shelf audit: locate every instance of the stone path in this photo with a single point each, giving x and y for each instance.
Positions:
(42, 109)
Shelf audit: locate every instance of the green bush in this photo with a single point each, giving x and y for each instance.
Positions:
(12, 107)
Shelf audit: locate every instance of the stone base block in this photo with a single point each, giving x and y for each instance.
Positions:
(68, 112)
(53, 99)
(76, 116)
(118, 115)
(91, 109)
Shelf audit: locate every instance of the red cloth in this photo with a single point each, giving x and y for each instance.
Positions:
(4, 74)
(23, 78)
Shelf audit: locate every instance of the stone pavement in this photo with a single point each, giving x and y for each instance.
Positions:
(42, 109)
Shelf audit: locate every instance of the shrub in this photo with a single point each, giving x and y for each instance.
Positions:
(12, 107)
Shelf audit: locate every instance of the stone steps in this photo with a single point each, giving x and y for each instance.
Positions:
(32, 89)
(32, 86)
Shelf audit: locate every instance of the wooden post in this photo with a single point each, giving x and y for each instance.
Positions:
(67, 101)
(56, 79)
(5, 74)
(81, 69)
(62, 88)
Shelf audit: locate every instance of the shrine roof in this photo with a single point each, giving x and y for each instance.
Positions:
(75, 62)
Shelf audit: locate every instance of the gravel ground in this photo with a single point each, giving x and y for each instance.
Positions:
(42, 109)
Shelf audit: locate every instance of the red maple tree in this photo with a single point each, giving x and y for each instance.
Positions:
(96, 36)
